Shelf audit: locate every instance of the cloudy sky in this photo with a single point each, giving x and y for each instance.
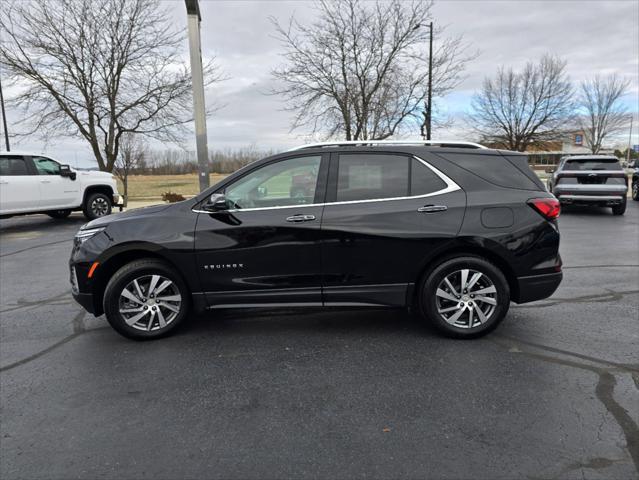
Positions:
(594, 37)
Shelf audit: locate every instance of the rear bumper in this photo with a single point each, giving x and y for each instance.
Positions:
(591, 199)
(537, 287)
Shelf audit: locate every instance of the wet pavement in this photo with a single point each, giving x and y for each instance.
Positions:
(553, 393)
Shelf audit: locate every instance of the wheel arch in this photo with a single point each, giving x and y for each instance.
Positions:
(91, 189)
(112, 263)
(459, 250)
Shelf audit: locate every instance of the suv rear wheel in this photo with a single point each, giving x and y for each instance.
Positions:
(619, 209)
(146, 299)
(635, 190)
(96, 205)
(465, 297)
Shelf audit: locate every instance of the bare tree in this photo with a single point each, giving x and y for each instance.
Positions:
(358, 71)
(132, 155)
(602, 112)
(98, 69)
(518, 109)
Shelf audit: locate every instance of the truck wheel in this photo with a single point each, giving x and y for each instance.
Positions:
(146, 299)
(464, 297)
(619, 209)
(59, 213)
(96, 205)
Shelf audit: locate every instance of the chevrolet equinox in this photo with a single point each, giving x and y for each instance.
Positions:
(454, 231)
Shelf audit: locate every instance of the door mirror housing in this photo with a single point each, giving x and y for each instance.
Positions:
(550, 170)
(216, 203)
(65, 171)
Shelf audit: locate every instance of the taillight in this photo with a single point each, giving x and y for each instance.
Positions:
(549, 208)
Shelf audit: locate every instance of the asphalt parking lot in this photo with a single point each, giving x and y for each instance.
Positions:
(553, 393)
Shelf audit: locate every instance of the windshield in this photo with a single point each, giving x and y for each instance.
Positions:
(593, 164)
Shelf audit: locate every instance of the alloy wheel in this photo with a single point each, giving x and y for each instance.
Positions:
(150, 302)
(99, 207)
(466, 298)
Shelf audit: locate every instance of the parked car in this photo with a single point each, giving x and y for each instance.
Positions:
(33, 183)
(635, 185)
(454, 231)
(595, 180)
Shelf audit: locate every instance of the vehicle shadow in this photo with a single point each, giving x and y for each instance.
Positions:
(585, 210)
(361, 321)
(30, 223)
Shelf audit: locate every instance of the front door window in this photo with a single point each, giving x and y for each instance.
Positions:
(286, 183)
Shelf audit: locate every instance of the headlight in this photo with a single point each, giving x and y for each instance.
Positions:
(84, 235)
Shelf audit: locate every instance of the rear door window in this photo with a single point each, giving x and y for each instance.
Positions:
(371, 177)
(13, 166)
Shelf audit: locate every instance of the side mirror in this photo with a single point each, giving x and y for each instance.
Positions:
(65, 171)
(216, 203)
(550, 170)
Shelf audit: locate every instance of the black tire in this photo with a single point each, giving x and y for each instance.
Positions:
(635, 190)
(97, 205)
(59, 213)
(140, 269)
(619, 209)
(428, 298)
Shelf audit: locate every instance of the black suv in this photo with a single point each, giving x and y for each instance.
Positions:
(455, 231)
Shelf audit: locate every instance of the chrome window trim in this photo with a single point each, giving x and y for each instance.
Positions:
(451, 186)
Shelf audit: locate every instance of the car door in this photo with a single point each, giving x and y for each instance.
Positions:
(383, 215)
(265, 248)
(56, 191)
(18, 185)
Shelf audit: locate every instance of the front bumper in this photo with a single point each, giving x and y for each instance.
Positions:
(86, 300)
(118, 201)
(537, 287)
(81, 290)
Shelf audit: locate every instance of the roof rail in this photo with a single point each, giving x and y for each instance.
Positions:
(440, 143)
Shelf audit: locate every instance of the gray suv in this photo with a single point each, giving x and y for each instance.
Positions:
(590, 180)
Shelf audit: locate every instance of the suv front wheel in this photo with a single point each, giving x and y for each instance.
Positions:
(146, 299)
(464, 297)
(96, 205)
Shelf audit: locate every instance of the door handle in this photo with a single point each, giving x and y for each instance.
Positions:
(432, 208)
(300, 218)
(45, 181)
(4, 183)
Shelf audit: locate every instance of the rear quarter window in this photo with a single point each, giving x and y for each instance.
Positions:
(495, 169)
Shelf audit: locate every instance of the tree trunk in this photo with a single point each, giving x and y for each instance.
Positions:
(125, 182)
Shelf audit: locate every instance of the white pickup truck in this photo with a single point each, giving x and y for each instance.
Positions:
(33, 183)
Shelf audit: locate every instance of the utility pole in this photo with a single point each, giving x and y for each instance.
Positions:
(629, 141)
(4, 120)
(199, 111)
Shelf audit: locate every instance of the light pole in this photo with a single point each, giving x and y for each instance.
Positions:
(629, 141)
(428, 115)
(4, 120)
(199, 110)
